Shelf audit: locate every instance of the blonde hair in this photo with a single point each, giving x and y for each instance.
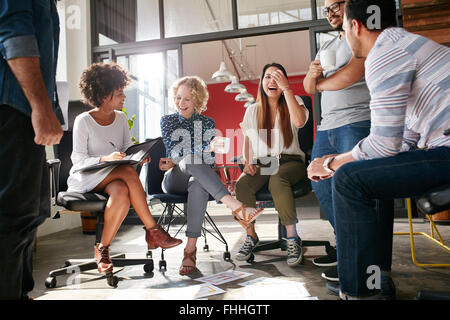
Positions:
(198, 88)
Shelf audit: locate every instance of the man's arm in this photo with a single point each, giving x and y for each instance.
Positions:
(344, 77)
(314, 74)
(46, 125)
(316, 170)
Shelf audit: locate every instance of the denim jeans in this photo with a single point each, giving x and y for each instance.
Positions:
(21, 199)
(338, 140)
(359, 233)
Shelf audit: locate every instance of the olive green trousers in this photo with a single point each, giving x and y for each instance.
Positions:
(280, 185)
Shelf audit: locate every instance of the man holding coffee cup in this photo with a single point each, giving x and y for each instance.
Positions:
(407, 151)
(339, 77)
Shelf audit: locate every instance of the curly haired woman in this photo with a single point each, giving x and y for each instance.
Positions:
(190, 144)
(102, 134)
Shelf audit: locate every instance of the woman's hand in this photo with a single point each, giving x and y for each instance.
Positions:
(280, 79)
(113, 156)
(249, 169)
(146, 160)
(166, 164)
(219, 145)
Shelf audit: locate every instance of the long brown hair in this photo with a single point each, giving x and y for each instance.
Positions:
(264, 119)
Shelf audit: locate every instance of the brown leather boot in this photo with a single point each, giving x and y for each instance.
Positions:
(158, 237)
(104, 263)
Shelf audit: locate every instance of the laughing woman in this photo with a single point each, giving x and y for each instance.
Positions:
(270, 128)
(102, 134)
(189, 168)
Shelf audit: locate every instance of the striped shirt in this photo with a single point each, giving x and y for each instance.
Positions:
(408, 77)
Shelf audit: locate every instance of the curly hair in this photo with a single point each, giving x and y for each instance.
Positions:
(198, 88)
(100, 80)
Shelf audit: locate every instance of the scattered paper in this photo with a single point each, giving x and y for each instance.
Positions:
(275, 289)
(224, 277)
(199, 291)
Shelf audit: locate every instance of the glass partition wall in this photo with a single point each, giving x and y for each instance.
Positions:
(148, 36)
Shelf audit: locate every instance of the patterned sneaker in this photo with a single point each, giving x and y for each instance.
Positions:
(246, 249)
(294, 251)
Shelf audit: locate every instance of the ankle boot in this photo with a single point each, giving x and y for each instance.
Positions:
(158, 237)
(104, 263)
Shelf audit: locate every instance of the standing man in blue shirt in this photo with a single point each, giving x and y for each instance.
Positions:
(29, 38)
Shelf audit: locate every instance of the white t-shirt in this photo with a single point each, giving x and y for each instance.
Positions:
(249, 126)
(92, 141)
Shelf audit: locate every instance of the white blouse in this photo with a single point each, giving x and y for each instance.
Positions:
(91, 141)
(259, 148)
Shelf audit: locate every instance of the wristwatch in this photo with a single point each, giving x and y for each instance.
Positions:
(326, 164)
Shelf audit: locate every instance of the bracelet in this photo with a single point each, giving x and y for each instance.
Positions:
(286, 89)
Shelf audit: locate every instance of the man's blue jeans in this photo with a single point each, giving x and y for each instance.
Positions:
(359, 225)
(338, 140)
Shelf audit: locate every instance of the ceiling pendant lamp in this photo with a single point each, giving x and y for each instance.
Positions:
(222, 74)
(249, 103)
(244, 96)
(235, 86)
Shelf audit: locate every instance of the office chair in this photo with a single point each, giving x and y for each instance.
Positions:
(74, 202)
(300, 189)
(429, 203)
(172, 205)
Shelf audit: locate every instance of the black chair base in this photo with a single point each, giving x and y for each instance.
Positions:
(79, 265)
(281, 244)
(167, 218)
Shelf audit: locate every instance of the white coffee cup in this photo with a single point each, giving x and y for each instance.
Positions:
(328, 59)
(221, 145)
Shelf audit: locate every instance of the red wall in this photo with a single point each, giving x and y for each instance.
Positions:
(228, 113)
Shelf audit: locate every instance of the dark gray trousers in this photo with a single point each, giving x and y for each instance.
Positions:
(198, 181)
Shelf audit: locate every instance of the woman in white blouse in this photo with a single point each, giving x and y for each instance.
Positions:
(272, 155)
(102, 134)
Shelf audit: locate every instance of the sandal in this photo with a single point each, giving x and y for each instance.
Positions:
(191, 257)
(245, 221)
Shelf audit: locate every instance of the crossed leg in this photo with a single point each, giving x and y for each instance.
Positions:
(124, 188)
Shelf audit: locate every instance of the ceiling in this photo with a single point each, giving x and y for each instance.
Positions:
(249, 55)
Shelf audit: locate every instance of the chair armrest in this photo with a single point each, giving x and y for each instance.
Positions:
(53, 166)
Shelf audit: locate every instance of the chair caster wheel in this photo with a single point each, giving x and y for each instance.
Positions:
(50, 282)
(163, 265)
(148, 267)
(251, 258)
(112, 280)
(226, 256)
(206, 248)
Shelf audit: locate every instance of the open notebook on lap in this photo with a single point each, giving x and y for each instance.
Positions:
(134, 155)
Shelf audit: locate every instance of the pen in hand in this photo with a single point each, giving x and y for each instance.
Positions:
(115, 148)
(116, 155)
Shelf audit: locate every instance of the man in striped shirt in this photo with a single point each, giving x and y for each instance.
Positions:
(406, 153)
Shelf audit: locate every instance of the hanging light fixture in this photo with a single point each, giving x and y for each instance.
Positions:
(249, 103)
(222, 74)
(244, 96)
(235, 86)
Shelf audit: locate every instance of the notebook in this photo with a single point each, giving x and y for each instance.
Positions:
(134, 155)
